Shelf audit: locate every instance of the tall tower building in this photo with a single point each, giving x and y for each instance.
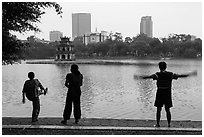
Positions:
(81, 24)
(146, 26)
(55, 35)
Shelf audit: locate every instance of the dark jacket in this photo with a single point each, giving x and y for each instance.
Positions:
(73, 83)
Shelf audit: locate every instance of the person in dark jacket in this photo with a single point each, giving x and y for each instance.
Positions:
(73, 82)
(32, 89)
(163, 95)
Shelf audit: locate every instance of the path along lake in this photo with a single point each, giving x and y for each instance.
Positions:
(109, 91)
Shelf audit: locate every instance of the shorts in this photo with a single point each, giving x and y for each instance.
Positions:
(163, 97)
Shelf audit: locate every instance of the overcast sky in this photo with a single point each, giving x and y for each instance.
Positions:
(125, 17)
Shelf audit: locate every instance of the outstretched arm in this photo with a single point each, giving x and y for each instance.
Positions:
(41, 86)
(143, 77)
(194, 73)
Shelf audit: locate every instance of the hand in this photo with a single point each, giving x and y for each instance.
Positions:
(194, 73)
(23, 100)
(45, 91)
(136, 77)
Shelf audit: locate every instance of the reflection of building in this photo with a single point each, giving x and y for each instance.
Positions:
(65, 50)
(81, 24)
(95, 37)
(55, 35)
(146, 26)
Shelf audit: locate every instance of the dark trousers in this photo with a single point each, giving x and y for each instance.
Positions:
(68, 107)
(36, 108)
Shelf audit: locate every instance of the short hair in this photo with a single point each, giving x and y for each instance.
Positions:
(31, 75)
(162, 65)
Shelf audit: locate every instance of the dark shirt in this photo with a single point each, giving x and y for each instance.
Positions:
(73, 83)
(164, 79)
(30, 88)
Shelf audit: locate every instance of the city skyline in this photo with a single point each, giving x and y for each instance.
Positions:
(146, 26)
(125, 17)
(81, 24)
(55, 35)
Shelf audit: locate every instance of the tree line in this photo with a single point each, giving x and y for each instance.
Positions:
(141, 46)
(176, 45)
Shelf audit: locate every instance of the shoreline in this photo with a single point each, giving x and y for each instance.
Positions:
(94, 126)
(101, 122)
(104, 61)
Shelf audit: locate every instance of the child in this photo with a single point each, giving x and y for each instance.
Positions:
(33, 89)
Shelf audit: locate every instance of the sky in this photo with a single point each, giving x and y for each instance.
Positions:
(184, 17)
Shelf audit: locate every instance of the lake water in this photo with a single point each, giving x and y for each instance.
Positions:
(109, 91)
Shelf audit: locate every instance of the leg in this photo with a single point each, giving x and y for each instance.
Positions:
(158, 116)
(168, 116)
(68, 108)
(36, 109)
(77, 109)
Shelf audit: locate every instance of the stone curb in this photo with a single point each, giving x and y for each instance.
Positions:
(100, 128)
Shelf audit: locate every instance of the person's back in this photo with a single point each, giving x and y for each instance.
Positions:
(74, 83)
(164, 79)
(29, 88)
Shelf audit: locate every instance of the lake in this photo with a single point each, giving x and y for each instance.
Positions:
(108, 91)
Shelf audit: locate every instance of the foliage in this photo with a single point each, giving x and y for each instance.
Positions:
(20, 17)
(141, 46)
(39, 50)
(11, 49)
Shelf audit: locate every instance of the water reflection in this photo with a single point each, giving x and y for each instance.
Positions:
(109, 91)
(87, 90)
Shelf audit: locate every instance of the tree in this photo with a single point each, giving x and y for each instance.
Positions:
(154, 45)
(118, 36)
(20, 17)
(128, 40)
(140, 48)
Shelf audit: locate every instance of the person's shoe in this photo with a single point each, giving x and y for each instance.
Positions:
(45, 92)
(76, 121)
(157, 125)
(64, 122)
(169, 125)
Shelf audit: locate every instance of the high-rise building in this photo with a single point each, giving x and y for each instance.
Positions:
(81, 24)
(55, 35)
(146, 26)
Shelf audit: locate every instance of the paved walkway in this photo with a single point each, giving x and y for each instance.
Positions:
(47, 126)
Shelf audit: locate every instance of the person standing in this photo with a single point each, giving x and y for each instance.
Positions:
(32, 89)
(74, 81)
(163, 95)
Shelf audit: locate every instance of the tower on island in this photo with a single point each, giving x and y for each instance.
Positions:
(65, 50)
